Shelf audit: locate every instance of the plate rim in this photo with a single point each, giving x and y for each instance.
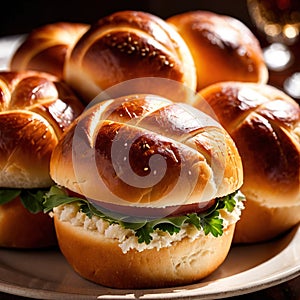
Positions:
(179, 292)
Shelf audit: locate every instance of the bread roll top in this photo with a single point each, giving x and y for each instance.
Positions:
(127, 45)
(146, 151)
(223, 48)
(35, 109)
(265, 124)
(47, 47)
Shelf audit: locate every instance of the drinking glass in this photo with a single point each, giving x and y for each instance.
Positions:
(278, 25)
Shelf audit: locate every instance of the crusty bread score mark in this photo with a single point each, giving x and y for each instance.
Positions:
(147, 123)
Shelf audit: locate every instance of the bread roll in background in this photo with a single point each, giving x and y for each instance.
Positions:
(264, 122)
(46, 48)
(35, 109)
(223, 48)
(127, 45)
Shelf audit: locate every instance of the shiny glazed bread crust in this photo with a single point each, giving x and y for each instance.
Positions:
(223, 48)
(127, 45)
(46, 48)
(35, 109)
(107, 154)
(265, 124)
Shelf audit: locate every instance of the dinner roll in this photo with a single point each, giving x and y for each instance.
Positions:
(46, 48)
(35, 109)
(264, 122)
(127, 45)
(223, 48)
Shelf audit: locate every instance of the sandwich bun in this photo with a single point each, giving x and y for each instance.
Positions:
(35, 110)
(264, 122)
(24, 230)
(147, 124)
(201, 163)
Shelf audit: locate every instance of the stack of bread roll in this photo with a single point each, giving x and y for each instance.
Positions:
(220, 61)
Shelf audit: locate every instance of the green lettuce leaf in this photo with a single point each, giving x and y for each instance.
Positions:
(209, 221)
(7, 195)
(32, 199)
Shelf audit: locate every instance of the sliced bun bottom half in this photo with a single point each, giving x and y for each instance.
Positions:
(199, 156)
(100, 259)
(21, 229)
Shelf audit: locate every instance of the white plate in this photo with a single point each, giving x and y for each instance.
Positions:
(46, 275)
(8, 45)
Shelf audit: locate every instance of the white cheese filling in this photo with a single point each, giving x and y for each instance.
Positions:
(126, 237)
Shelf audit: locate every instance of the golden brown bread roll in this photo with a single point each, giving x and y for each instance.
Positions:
(223, 48)
(101, 260)
(143, 167)
(265, 124)
(127, 45)
(46, 48)
(149, 125)
(35, 109)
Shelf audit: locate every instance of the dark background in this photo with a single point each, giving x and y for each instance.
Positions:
(22, 16)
